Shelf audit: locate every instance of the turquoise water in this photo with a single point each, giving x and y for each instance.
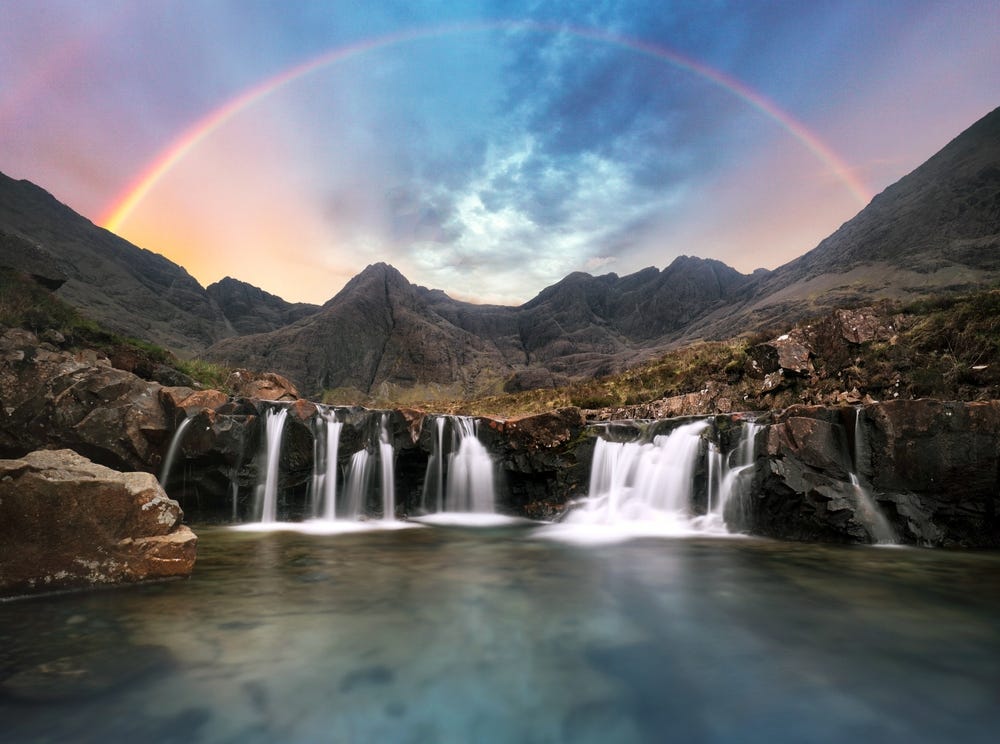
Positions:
(443, 634)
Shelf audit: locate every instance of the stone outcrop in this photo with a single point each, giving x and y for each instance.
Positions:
(51, 398)
(66, 522)
(925, 472)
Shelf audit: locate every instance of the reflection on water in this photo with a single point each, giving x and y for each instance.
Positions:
(489, 635)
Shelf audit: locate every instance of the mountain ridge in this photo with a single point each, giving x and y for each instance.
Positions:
(936, 229)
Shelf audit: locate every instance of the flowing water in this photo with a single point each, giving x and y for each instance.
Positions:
(493, 635)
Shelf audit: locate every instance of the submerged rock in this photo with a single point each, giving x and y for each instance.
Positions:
(67, 522)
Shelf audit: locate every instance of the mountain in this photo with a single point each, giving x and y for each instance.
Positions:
(379, 331)
(383, 334)
(250, 309)
(935, 230)
(127, 289)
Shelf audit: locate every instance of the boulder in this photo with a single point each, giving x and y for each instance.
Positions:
(67, 522)
(262, 386)
(51, 398)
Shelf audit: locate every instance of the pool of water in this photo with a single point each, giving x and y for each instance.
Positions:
(493, 634)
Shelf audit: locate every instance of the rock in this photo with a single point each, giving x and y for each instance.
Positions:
(864, 325)
(793, 354)
(191, 401)
(53, 399)
(926, 471)
(263, 386)
(937, 465)
(542, 430)
(68, 522)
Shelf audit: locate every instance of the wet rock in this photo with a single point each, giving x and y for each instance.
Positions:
(84, 675)
(929, 470)
(937, 464)
(67, 522)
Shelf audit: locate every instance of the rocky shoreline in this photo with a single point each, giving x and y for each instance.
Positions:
(932, 467)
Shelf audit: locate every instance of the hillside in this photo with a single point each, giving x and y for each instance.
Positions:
(127, 289)
(382, 335)
(935, 230)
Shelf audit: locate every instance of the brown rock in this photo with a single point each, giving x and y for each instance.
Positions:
(542, 430)
(50, 399)
(191, 401)
(263, 386)
(67, 522)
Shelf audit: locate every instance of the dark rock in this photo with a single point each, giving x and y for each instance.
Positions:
(252, 310)
(67, 522)
(126, 289)
(50, 399)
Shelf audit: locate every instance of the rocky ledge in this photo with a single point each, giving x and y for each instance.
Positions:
(66, 522)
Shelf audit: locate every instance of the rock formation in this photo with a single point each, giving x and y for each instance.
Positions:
(66, 522)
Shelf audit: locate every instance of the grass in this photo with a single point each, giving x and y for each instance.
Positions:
(946, 347)
(26, 304)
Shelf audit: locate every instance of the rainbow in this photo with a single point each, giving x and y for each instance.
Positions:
(123, 205)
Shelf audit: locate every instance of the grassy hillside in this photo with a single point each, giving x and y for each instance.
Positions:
(946, 347)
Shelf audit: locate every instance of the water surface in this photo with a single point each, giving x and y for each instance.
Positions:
(454, 634)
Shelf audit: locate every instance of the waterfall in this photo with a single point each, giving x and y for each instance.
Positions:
(434, 478)
(736, 472)
(326, 445)
(876, 523)
(470, 472)
(632, 482)
(357, 483)
(388, 483)
(267, 488)
(172, 450)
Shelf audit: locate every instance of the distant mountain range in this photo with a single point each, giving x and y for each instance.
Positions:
(936, 230)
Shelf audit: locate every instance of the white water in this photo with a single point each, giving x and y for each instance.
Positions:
(388, 483)
(735, 472)
(172, 450)
(434, 478)
(640, 488)
(326, 444)
(268, 490)
(470, 472)
(878, 526)
(356, 485)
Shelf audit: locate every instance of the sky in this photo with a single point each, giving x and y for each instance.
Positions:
(483, 147)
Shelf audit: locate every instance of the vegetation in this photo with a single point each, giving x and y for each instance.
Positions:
(26, 304)
(947, 347)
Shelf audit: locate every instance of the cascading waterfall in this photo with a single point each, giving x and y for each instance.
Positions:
(326, 445)
(651, 482)
(172, 450)
(470, 472)
(267, 489)
(388, 483)
(736, 471)
(878, 526)
(434, 478)
(356, 486)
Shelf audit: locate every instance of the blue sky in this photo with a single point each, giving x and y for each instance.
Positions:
(484, 148)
